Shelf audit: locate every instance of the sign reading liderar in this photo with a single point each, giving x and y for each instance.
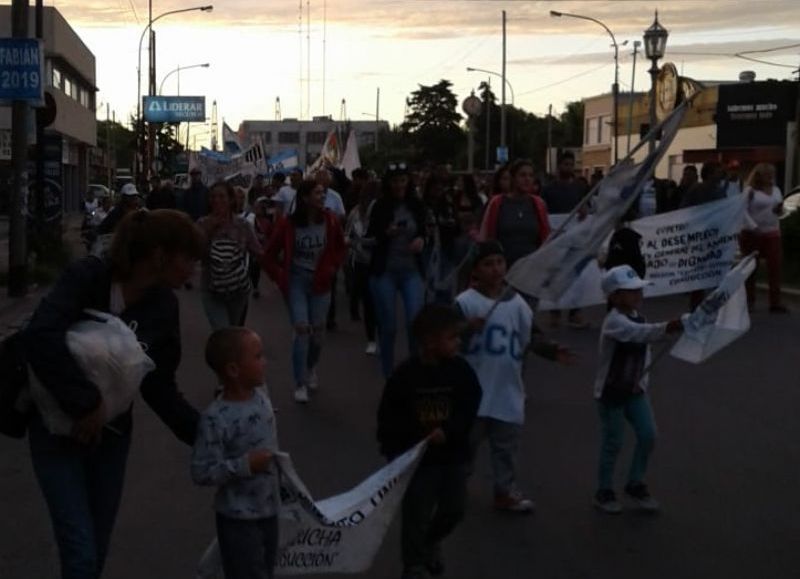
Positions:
(21, 70)
(174, 109)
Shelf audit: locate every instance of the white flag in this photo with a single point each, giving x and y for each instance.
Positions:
(350, 160)
(720, 318)
(548, 272)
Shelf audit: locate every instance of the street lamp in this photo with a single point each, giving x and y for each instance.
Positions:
(149, 26)
(615, 88)
(178, 70)
(655, 45)
(508, 84)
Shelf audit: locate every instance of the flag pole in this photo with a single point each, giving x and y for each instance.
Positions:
(651, 134)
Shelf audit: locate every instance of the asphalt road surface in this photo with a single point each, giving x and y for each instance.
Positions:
(726, 468)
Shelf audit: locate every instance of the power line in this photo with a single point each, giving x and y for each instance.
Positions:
(562, 81)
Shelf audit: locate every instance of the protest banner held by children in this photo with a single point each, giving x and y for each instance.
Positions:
(620, 387)
(501, 329)
(234, 449)
(434, 394)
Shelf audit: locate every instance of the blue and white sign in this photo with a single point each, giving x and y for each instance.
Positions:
(502, 154)
(21, 70)
(174, 109)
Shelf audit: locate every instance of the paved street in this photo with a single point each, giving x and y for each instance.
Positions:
(726, 468)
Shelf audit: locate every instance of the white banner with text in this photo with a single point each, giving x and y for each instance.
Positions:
(685, 250)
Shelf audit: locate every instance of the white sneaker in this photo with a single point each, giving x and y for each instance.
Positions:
(301, 394)
(372, 349)
(313, 380)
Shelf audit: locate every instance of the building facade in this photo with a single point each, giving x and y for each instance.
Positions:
(70, 80)
(306, 137)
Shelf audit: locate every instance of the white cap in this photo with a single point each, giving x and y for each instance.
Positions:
(622, 277)
(128, 190)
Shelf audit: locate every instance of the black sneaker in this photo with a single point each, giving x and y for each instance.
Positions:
(639, 493)
(606, 501)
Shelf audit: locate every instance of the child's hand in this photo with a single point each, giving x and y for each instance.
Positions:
(674, 326)
(437, 436)
(259, 460)
(566, 356)
(417, 245)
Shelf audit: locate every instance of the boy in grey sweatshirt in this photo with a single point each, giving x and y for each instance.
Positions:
(234, 449)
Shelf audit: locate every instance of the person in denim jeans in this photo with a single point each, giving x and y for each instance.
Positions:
(397, 223)
(81, 476)
(302, 257)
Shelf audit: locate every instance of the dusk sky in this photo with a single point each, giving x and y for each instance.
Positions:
(256, 53)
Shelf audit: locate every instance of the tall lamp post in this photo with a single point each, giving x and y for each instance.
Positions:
(510, 89)
(508, 84)
(615, 87)
(139, 120)
(178, 70)
(655, 45)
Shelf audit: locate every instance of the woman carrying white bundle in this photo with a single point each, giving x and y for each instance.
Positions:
(81, 474)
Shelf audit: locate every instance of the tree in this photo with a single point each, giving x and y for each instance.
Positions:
(572, 124)
(433, 123)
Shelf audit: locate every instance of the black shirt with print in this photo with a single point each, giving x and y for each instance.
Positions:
(421, 397)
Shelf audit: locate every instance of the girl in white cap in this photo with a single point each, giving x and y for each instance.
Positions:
(621, 387)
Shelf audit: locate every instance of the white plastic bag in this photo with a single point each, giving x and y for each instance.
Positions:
(111, 357)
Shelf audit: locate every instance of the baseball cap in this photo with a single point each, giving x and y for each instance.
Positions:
(129, 190)
(622, 277)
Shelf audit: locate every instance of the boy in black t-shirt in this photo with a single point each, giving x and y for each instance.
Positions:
(435, 395)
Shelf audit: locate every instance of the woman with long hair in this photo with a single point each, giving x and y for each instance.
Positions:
(304, 254)
(764, 207)
(397, 224)
(518, 219)
(501, 180)
(81, 475)
(230, 244)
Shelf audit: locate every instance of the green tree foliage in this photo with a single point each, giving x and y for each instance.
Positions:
(526, 133)
(122, 142)
(432, 123)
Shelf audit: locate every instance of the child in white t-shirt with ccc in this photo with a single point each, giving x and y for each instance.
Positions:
(500, 324)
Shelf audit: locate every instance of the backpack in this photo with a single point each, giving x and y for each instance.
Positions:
(228, 267)
(13, 384)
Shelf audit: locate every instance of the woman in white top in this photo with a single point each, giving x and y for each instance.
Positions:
(764, 207)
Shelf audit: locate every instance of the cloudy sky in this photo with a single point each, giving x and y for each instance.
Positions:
(256, 52)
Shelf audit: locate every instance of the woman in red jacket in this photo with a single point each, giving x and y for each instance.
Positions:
(305, 251)
(517, 219)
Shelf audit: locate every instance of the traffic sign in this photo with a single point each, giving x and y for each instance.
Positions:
(502, 154)
(22, 70)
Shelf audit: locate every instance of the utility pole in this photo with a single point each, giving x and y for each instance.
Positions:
(108, 144)
(503, 90)
(797, 135)
(547, 163)
(17, 235)
(636, 45)
(377, 116)
(488, 154)
(38, 210)
(151, 90)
